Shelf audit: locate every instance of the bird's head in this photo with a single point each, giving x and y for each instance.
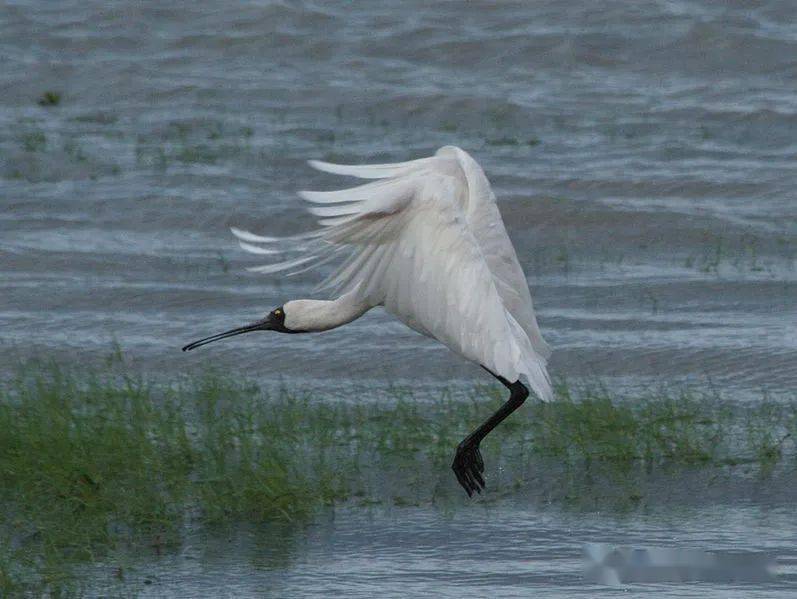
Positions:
(274, 321)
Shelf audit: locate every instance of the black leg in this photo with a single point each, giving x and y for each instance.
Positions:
(468, 463)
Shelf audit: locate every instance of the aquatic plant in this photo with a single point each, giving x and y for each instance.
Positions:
(746, 253)
(91, 462)
(34, 141)
(49, 98)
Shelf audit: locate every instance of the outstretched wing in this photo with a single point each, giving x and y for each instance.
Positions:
(485, 221)
(406, 242)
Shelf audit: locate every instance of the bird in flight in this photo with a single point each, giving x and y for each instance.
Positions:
(426, 241)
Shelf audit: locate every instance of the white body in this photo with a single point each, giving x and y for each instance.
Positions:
(427, 242)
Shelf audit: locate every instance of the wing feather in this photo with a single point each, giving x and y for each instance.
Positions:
(413, 245)
(256, 249)
(369, 171)
(486, 223)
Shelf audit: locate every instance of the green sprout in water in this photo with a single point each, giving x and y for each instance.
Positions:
(503, 141)
(49, 98)
(34, 141)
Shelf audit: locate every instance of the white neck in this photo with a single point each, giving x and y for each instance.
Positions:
(319, 315)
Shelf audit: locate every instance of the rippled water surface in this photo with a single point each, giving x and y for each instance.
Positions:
(484, 553)
(643, 155)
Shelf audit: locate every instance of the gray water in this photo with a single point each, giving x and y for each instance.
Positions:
(643, 155)
(413, 552)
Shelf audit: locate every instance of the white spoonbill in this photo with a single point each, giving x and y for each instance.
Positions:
(427, 242)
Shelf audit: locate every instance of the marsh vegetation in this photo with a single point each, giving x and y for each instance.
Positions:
(92, 462)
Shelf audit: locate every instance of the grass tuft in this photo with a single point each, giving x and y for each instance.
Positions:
(49, 98)
(34, 141)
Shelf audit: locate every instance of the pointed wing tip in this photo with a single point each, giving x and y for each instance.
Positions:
(337, 169)
(243, 235)
(253, 249)
(543, 391)
(320, 165)
(307, 196)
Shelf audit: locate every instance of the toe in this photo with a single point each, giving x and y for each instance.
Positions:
(471, 482)
(459, 472)
(479, 460)
(468, 466)
(479, 478)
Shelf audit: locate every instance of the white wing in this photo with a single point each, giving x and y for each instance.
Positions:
(427, 242)
(485, 221)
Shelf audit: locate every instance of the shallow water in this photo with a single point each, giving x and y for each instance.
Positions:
(644, 159)
(502, 551)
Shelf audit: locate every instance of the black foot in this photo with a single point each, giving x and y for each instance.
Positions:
(468, 466)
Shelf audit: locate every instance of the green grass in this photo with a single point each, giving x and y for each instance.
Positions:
(49, 98)
(720, 254)
(34, 141)
(195, 141)
(512, 141)
(91, 463)
(85, 464)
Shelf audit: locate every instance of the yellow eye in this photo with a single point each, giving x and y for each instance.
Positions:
(277, 311)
